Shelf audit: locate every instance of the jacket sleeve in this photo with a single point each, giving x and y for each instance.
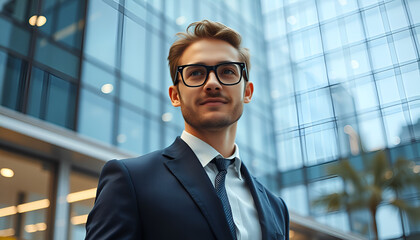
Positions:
(115, 214)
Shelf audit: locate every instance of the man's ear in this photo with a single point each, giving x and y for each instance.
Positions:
(249, 90)
(174, 96)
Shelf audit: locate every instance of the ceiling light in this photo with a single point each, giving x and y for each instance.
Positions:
(107, 88)
(7, 172)
(82, 195)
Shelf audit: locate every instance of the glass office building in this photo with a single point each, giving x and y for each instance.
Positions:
(343, 71)
(85, 81)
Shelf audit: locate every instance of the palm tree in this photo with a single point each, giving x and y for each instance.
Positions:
(365, 190)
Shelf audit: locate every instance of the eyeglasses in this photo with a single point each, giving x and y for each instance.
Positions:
(196, 75)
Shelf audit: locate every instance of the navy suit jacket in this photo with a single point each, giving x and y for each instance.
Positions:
(168, 195)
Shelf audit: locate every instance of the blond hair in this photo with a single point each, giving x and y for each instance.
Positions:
(202, 30)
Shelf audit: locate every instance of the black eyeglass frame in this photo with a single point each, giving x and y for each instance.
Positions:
(211, 68)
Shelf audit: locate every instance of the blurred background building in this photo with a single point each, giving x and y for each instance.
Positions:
(85, 81)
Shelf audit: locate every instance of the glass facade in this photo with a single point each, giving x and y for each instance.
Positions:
(343, 74)
(331, 77)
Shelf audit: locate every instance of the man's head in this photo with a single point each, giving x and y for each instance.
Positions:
(211, 95)
(205, 30)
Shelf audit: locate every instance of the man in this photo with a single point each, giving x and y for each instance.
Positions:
(197, 188)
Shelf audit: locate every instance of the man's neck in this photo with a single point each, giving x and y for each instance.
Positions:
(223, 140)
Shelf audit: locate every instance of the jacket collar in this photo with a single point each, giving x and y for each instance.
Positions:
(181, 160)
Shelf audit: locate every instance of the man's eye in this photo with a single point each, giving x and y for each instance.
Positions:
(228, 71)
(196, 73)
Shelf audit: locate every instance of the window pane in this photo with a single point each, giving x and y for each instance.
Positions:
(413, 6)
(61, 101)
(37, 91)
(336, 67)
(311, 74)
(396, 15)
(395, 122)
(285, 114)
(102, 21)
(381, 56)
(373, 22)
(404, 46)
(387, 88)
(132, 131)
(327, 9)
(14, 37)
(289, 151)
(96, 77)
(320, 144)
(364, 93)
(314, 106)
(359, 62)
(134, 50)
(331, 36)
(354, 28)
(411, 79)
(95, 116)
(11, 81)
(31, 181)
(57, 58)
(80, 209)
(415, 116)
(371, 131)
(389, 224)
(296, 198)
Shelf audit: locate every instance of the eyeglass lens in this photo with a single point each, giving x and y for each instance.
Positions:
(228, 73)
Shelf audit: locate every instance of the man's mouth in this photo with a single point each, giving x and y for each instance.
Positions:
(213, 101)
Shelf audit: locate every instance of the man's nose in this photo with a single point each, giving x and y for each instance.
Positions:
(212, 82)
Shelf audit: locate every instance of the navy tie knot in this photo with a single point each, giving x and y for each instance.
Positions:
(222, 163)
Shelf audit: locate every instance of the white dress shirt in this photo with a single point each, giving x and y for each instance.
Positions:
(244, 212)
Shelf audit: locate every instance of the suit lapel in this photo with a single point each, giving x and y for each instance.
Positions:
(184, 165)
(265, 213)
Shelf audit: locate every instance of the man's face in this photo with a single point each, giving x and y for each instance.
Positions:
(212, 106)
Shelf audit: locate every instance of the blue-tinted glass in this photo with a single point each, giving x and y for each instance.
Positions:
(57, 58)
(14, 37)
(11, 81)
(101, 32)
(366, 3)
(336, 67)
(373, 22)
(20, 11)
(60, 103)
(311, 74)
(396, 15)
(404, 46)
(411, 79)
(415, 117)
(305, 44)
(141, 98)
(359, 62)
(364, 93)
(296, 198)
(413, 6)
(272, 21)
(132, 132)
(322, 188)
(327, 9)
(387, 88)
(417, 38)
(98, 78)
(155, 62)
(395, 122)
(331, 35)
(389, 222)
(154, 135)
(380, 54)
(289, 153)
(320, 144)
(337, 220)
(354, 28)
(37, 93)
(64, 21)
(302, 14)
(371, 131)
(285, 114)
(95, 116)
(315, 106)
(134, 50)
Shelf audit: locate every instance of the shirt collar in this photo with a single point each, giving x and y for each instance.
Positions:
(205, 153)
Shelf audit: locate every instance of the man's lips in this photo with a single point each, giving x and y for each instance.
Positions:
(213, 101)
